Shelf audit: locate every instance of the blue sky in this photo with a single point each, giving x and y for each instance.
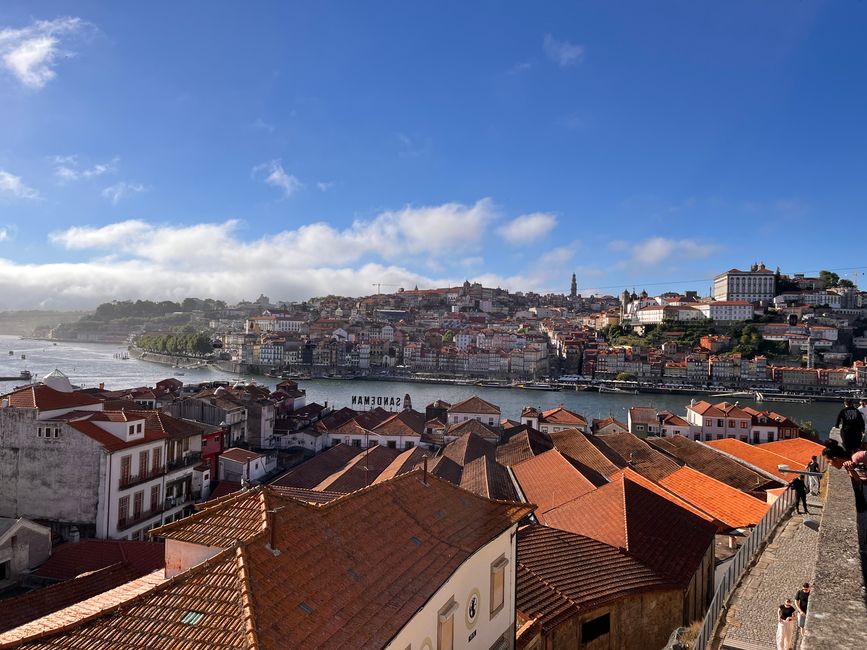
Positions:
(226, 149)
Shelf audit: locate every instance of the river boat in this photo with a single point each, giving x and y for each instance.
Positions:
(791, 399)
(536, 385)
(23, 356)
(622, 391)
(24, 374)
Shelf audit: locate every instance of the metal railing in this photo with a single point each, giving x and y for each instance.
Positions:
(739, 564)
(142, 477)
(191, 458)
(126, 522)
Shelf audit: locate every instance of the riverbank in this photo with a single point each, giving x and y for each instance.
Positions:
(175, 361)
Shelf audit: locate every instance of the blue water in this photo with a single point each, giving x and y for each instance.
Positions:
(89, 364)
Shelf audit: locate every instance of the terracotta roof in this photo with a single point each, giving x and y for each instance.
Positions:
(467, 448)
(656, 488)
(799, 451)
(562, 416)
(45, 398)
(625, 514)
(753, 455)
(312, 472)
(405, 423)
(446, 469)
(560, 573)
(596, 464)
(643, 415)
(486, 477)
(724, 503)
(250, 597)
(406, 461)
(714, 464)
(74, 559)
(474, 404)
(643, 458)
(307, 496)
(360, 471)
(522, 446)
(604, 423)
(475, 427)
(15, 612)
(224, 488)
(81, 611)
(549, 481)
(237, 517)
(240, 455)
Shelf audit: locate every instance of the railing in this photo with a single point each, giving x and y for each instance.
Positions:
(141, 477)
(188, 459)
(127, 522)
(174, 502)
(741, 561)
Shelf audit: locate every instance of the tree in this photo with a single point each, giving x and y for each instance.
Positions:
(807, 430)
(828, 279)
(846, 284)
(625, 376)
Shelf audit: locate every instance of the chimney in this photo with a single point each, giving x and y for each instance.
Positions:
(102, 385)
(424, 470)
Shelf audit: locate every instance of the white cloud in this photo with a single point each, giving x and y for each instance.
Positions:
(528, 228)
(68, 168)
(563, 53)
(277, 177)
(324, 186)
(11, 185)
(4, 234)
(30, 53)
(658, 249)
(121, 190)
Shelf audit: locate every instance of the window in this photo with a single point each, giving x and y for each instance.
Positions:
(158, 459)
(409, 444)
(38, 432)
(743, 424)
(132, 429)
(155, 497)
(122, 509)
(356, 442)
(446, 626)
(186, 444)
(392, 444)
(595, 627)
(143, 463)
(498, 584)
(138, 504)
(125, 469)
(56, 432)
(720, 423)
(138, 428)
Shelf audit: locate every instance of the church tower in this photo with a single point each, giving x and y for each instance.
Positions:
(573, 291)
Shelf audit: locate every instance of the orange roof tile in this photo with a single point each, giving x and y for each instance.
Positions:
(724, 503)
(753, 455)
(45, 398)
(799, 451)
(563, 416)
(475, 404)
(590, 460)
(549, 481)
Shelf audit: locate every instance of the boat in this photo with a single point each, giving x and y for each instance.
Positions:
(791, 399)
(23, 356)
(539, 386)
(622, 391)
(24, 374)
(11, 353)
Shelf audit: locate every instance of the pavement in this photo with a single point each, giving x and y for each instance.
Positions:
(786, 563)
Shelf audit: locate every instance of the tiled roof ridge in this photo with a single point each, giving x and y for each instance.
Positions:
(622, 481)
(226, 501)
(113, 609)
(247, 610)
(406, 476)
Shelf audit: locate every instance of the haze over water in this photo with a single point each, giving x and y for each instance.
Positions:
(89, 364)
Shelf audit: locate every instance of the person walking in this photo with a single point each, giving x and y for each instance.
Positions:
(801, 599)
(851, 425)
(800, 489)
(813, 481)
(786, 626)
(863, 410)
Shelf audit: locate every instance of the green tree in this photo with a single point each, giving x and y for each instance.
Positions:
(625, 376)
(828, 279)
(846, 284)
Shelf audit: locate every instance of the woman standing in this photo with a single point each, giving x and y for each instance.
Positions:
(786, 626)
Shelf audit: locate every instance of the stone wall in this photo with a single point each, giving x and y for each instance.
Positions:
(837, 613)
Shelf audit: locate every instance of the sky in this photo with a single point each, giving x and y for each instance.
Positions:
(222, 149)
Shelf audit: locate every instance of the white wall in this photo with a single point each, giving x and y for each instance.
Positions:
(473, 574)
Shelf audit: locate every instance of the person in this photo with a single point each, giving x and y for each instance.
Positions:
(851, 425)
(863, 410)
(801, 599)
(856, 466)
(786, 626)
(813, 481)
(800, 488)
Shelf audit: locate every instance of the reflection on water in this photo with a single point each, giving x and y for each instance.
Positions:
(89, 364)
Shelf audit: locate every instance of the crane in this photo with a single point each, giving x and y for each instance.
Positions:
(379, 286)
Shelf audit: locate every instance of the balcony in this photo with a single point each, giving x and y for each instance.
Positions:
(175, 501)
(192, 458)
(125, 482)
(128, 522)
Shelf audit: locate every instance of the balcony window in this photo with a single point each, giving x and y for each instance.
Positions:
(446, 626)
(498, 582)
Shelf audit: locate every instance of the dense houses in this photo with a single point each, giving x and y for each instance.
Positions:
(542, 532)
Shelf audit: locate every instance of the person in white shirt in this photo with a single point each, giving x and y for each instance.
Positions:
(863, 408)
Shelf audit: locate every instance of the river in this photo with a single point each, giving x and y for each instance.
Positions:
(89, 364)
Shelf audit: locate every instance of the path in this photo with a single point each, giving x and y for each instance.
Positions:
(786, 563)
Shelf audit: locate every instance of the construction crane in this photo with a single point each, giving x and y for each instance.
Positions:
(379, 286)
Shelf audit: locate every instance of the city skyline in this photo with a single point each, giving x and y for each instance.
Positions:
(311, 150)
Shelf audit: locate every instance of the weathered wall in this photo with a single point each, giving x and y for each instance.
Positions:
(54, 479)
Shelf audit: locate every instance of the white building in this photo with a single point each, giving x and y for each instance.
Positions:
(474, 408)
(726, 310)
(752, 286)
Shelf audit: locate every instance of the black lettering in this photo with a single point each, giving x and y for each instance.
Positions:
(354, 400)
(379, 401)
(366, 400)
